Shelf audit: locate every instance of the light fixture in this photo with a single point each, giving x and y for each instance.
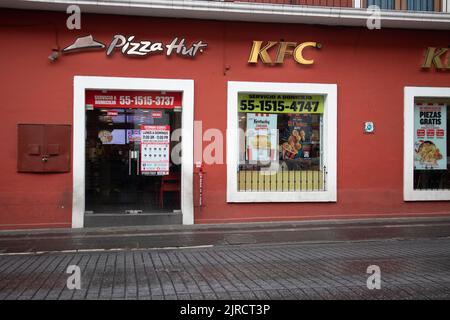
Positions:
(54, 55)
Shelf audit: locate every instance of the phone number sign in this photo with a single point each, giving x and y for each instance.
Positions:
(133, 99)
(280, 103)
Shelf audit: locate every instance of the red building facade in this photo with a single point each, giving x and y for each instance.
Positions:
(369, 73)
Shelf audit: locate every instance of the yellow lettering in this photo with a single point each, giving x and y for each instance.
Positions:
(298, 52)
(257, 51)
(283, 50)
(433, 56)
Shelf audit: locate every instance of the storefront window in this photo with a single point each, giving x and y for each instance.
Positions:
(280, 142)
(431, 144)
(426, 144)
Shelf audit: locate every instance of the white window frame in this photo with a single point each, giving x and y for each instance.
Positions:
(329, 91)
(409, 194)
(81, 84)
(445, 5)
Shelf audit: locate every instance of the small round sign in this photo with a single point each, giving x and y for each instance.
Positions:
(369, 127)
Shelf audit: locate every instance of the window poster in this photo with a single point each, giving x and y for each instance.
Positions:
(155, 147)
(262, 137)
(430, 136)
(297, 138)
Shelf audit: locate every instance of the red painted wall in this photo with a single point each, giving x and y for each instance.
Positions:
(370, 69)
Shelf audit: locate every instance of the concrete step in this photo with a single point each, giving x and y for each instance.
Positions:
(135, 219)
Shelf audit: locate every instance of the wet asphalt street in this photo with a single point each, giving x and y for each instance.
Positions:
(265, 261)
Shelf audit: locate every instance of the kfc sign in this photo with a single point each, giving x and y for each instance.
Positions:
(438, 57)
(260, 51)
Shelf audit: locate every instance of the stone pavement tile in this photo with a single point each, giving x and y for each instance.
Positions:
(223, 295)
(183, 296)
(86, 264)
(338, 293)
(261, 295)
(273, 294)
(247, 295)
(131, 292)
(297, 294)
(359, 293)
(285, 294)
(235, 295)
(410, 270)
(197, 296)
(95, 283)
(210, 296)
(312, 294)
(45, 281)
(119, 293)
(66, 294)
(25, 273)
(242, 277)
(60, 283)
(16, 271)
(106, 285)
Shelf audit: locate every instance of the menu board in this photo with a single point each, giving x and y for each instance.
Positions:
(262, 138)
(430, 136)
(155, 147)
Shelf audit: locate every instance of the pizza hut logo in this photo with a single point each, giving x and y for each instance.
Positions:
(129, 46)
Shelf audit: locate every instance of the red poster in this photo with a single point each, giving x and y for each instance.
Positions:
(133, 99)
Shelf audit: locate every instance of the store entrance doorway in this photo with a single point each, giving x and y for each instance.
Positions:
(131, 176)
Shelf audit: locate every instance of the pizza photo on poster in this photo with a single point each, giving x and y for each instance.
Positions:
(430, 136)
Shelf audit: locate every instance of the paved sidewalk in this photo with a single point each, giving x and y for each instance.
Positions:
(410, 269)
(224, 234)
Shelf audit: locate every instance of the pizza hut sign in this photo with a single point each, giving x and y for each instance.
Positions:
(130, 46)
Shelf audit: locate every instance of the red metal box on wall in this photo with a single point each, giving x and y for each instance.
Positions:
(43, 148)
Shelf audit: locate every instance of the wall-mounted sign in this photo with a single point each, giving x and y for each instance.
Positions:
(155, 142)
(430, 136)
(369, 127)
(284, 48)
(438, 57)
(277, 103)
(129, 46)
(133, 99)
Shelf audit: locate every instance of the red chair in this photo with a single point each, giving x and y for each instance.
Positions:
(169, 183)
